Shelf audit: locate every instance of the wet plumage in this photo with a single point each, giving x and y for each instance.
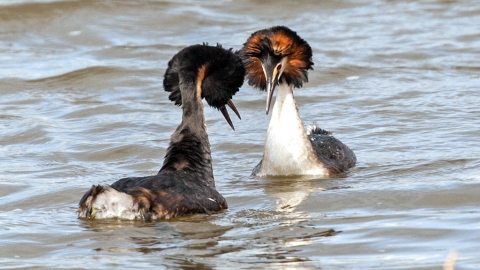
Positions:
(185, 184)
(278, 59)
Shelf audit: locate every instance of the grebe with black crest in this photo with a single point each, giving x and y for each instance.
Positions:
(185, 184)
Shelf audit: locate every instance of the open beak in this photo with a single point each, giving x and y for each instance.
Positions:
(225, 113)
(271, 73)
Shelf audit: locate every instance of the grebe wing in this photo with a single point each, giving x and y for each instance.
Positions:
(336, 156)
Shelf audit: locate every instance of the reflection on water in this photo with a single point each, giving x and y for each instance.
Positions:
(81, 103)
(290, 192)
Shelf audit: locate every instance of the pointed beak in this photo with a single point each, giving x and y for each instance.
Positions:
(270, 89)
(234, 109)
(224, 111)
(271, 73)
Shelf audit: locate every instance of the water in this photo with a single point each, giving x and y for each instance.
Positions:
(81, 103)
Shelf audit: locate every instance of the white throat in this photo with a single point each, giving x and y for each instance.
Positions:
(288, 150)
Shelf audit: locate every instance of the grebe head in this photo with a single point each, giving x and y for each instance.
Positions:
(276, 55)
(218, 73)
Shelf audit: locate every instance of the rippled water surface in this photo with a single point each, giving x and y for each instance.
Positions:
(81, 103)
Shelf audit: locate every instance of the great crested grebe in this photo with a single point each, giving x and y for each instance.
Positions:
(184, 185)
(277, 58)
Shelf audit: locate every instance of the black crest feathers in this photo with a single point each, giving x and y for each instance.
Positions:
(223, 73)
(277, 42)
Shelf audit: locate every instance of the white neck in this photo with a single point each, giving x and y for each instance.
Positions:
(288, 150)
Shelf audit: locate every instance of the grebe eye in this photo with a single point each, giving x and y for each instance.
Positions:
(279, 67)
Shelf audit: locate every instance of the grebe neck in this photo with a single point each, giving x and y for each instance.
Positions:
(189, 149)
(288, 150)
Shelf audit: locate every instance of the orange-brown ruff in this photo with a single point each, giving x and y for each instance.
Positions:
(278, 59)
(281, 42)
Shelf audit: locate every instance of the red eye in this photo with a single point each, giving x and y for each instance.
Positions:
(279, 67)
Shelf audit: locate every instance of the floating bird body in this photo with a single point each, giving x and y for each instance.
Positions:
(185, 183)
(278, 59)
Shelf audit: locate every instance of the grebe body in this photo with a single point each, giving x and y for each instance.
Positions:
(185, 184)
(278, 59)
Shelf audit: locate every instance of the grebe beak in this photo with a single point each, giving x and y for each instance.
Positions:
(272, 72)
(232, 106)
(225, 113)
